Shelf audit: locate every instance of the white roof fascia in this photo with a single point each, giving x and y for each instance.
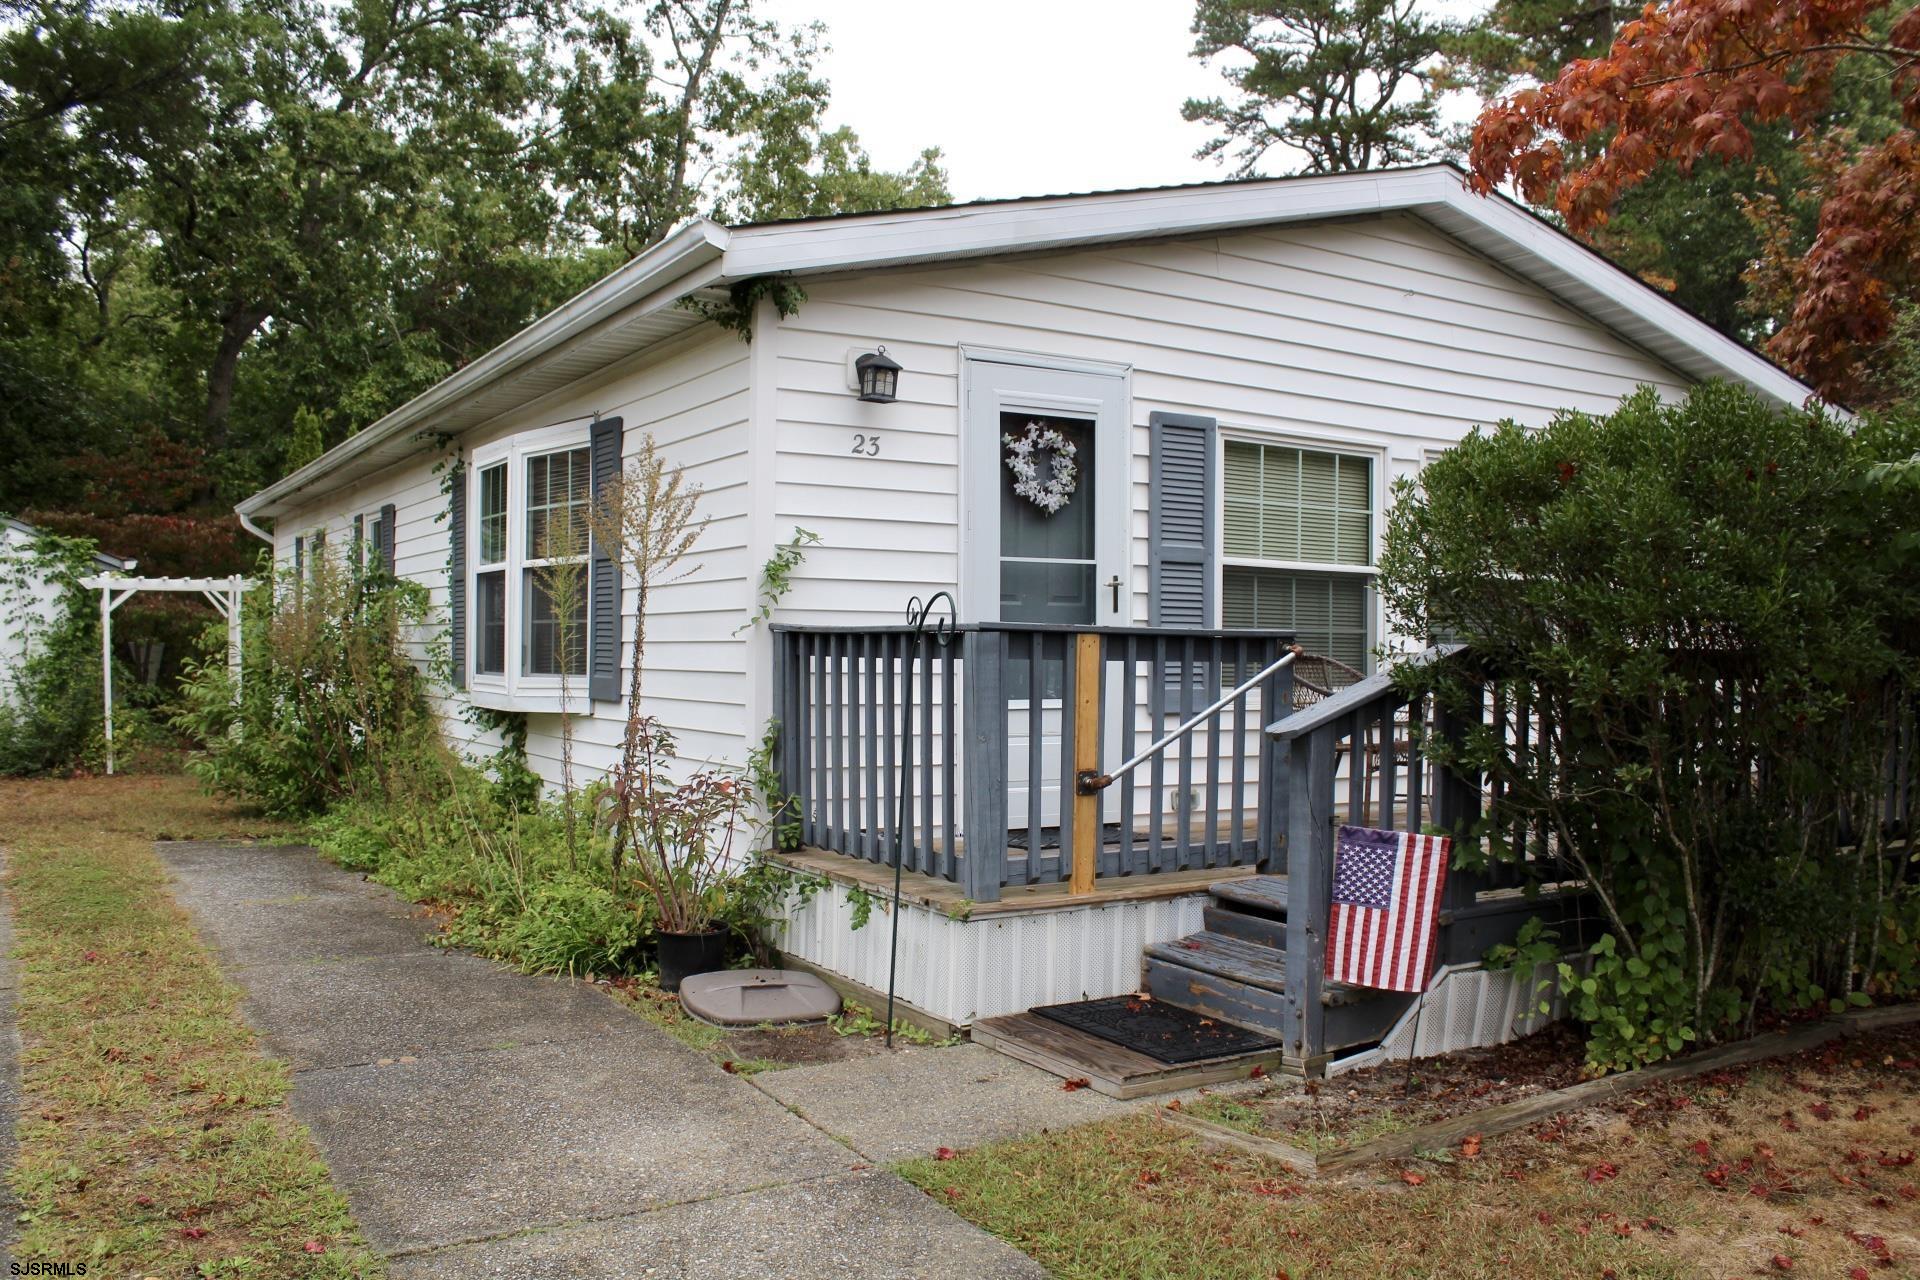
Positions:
(686, 261)
(1493, 225)
(704, 254)
(1023, 226)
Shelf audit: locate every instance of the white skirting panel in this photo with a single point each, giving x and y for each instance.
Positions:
(962, 970)
(1467, 1006)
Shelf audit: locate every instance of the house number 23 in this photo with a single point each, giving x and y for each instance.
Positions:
(866, 446)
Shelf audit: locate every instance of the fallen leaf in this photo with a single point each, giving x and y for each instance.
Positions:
(314, 1246)
(1821, 1111)
(1411, 1178)
(944, 1153)
(1781, 1262)
(1470, 1146)
(1078, 1082)
(1255, 1074)
(1901, 1161)
(1603, 1171)
(192, 1233)
(729, 1067)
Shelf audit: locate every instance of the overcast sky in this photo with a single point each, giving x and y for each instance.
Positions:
(1025, 97)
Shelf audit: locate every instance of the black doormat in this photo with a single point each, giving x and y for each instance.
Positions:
(1164, 1032)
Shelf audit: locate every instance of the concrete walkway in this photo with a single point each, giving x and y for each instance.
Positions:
(485, 1123)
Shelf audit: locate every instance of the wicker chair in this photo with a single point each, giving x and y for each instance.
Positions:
(1316, 676)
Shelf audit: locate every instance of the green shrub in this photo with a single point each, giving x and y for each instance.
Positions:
(1711, 606)
(330, 697)
(334, 723)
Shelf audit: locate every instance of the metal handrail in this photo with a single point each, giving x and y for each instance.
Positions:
(1088, 783)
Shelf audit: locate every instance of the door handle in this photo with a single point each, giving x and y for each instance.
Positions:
(1113, 583)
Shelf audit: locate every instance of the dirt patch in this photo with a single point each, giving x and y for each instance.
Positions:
(1327, 1115)
(749, 1050)
(796, 1046)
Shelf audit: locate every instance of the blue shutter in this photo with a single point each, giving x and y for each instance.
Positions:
(385, 549)
(603, 574)
(1181, 540)
(457, 573)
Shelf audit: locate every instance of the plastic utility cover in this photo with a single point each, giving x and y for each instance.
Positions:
(749, 997)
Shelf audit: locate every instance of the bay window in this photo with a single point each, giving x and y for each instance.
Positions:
(1296, 541)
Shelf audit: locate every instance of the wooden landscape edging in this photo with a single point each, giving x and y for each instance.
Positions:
(1442, 1134)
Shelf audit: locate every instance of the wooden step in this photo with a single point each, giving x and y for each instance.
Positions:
(1225, 957)
(1262, 931)
(1254, 895)
(1109, 1068)
(1244, 1004)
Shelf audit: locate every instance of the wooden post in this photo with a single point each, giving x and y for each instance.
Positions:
(1086, 759)
(985, 655)
(234, 659)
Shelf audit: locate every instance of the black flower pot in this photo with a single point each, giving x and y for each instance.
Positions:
(684, 954)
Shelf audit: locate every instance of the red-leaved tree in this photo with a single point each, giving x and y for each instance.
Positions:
(1686, 81)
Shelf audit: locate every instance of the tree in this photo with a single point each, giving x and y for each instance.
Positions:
(1522, 40)
(1347, 84)
(221, 214)
(1692, 80)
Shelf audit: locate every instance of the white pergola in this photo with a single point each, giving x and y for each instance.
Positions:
(223, 593)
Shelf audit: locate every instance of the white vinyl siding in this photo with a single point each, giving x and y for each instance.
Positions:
(1381, 335)
(692, 397)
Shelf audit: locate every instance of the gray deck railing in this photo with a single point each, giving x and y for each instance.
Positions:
(1358, 757)
(992, 728)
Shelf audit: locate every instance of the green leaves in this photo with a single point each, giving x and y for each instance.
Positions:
(1695, 612)
(1348, 84)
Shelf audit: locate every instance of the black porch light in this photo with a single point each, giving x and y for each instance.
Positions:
(879, 376)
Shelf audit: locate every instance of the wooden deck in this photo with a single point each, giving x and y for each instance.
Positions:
(947, 897)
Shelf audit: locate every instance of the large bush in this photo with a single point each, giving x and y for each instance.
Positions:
(1708, 609)
(330, 698)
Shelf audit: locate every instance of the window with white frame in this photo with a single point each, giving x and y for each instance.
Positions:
(1296, 541)
(529, 499)
(367, 551)
(558, 488)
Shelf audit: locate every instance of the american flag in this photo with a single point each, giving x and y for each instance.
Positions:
(1386, 907)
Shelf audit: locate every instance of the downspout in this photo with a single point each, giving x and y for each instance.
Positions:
(246, 522)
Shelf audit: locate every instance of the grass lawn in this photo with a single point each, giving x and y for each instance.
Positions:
(1801, 1166)
(154, 1137)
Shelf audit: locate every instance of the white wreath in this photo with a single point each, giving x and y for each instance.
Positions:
(1052, 495)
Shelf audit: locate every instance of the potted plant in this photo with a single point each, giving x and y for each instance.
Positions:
(674, 841)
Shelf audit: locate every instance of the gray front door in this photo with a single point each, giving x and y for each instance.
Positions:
(1025, 564)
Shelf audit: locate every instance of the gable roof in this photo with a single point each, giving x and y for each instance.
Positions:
(639, 305)
(112, 564)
